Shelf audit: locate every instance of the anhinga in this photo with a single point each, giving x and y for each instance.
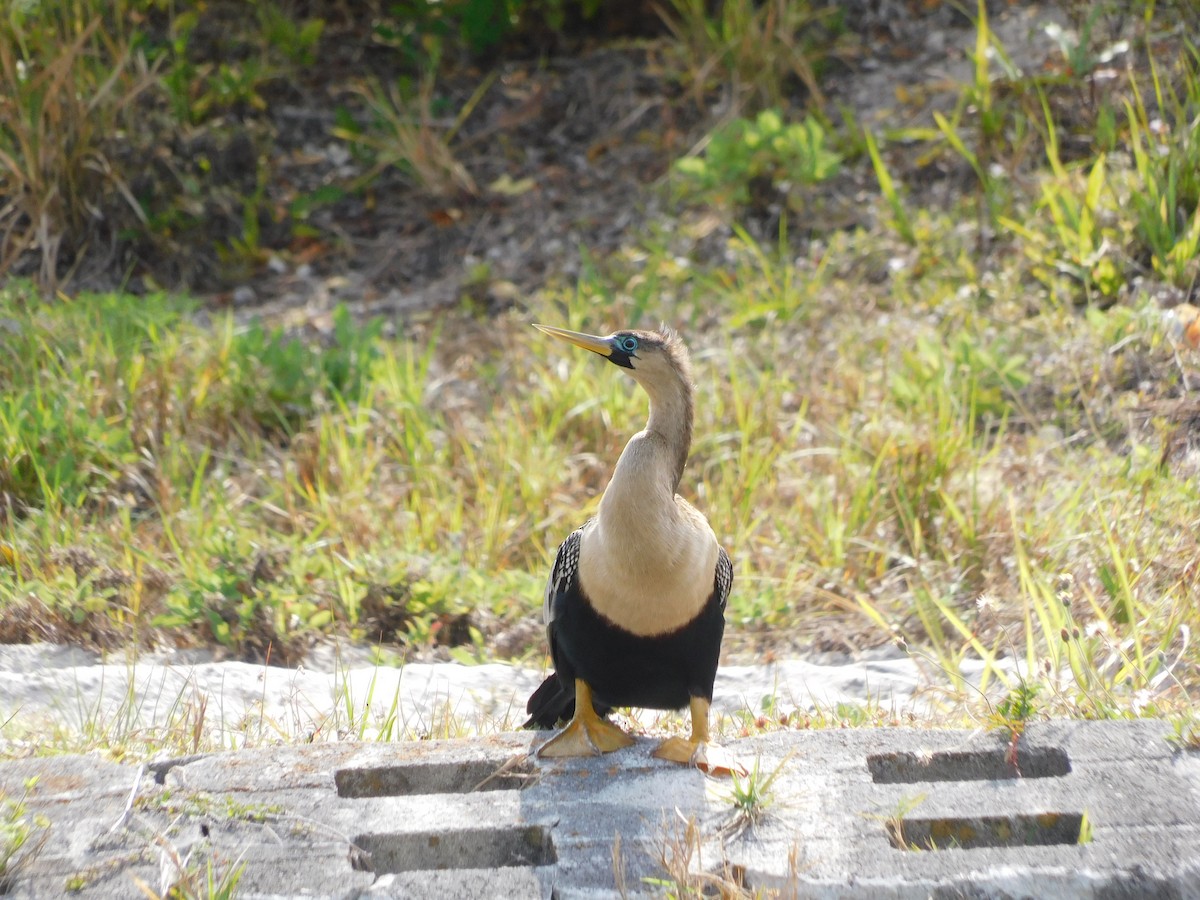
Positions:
(636, 600)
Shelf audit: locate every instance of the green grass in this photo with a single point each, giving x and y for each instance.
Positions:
(754, 54)
(899, 438)
(71, 79)
(218, 485)
(745, 150)
(21, 835)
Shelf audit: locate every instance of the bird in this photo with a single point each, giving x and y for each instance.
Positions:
(635, 603)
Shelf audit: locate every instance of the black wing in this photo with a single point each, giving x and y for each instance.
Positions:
(562, 578)
(707, 643)
(724, 580)
(554, 700)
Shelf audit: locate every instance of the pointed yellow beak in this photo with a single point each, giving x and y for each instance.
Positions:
(595, 343)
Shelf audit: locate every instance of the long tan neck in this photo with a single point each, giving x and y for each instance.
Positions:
(671, 415)
(649, 558)
(641, 495)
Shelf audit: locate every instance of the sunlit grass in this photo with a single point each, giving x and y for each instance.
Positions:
(905, 488)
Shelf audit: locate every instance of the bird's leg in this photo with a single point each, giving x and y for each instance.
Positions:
(697, 750)
(586, 734)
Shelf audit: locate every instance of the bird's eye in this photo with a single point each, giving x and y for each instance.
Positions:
(629, 344)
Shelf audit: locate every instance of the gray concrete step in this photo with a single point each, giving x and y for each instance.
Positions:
(1083, 809)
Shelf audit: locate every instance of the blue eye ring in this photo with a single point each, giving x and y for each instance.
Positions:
(629, 344)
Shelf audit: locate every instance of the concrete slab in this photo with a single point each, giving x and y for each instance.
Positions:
(1083, 809)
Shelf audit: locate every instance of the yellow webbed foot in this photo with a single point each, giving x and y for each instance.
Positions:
(711, 759)
(586, 734)
(697, 750)
(582, 737)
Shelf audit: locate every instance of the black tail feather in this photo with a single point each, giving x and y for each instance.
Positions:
(554, 702)
(550, 703)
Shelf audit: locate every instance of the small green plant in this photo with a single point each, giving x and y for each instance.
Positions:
(405, 133)
(1166, 158)
(1011, 715)
(991, 125)
(19, 835)
(295, 39)
(244, 253)
(421, 30)
(763, 149)
(75, 883)
(68, 85)
(893, 822)
(197, 804)
(754, 50)
(1185, 731)
(901, 220)
(979, 381)
(1081, 246)
(187, 877)
(1018, 707)
(751, 796)
(295, 378)
(270, 42)
(232, 86)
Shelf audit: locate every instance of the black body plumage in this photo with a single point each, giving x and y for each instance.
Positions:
(661, 671)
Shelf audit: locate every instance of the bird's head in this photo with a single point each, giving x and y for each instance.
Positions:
(652, 357)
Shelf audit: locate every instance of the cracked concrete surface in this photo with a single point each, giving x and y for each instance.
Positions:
(1083, 809)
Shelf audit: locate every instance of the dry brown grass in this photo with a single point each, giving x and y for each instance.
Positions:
(67, 87)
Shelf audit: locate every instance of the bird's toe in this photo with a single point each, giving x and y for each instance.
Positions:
(711, 759)
(585, 738)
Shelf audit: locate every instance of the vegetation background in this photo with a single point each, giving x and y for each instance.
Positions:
(267, 380)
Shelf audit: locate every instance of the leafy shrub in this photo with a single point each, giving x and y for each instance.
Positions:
(745, 151)
(287, 380)
(420, 27)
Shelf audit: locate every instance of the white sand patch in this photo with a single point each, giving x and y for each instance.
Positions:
(50, 693)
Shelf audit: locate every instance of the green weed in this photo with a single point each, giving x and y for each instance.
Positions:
(197, 804)
(1016, 709)
(755, 51)
(764, 149)
(750, 797)
(96, 395)
(425, 29)
(406, 133)
(1166, 156)
(21, 835)
(1081, 246)
(200, 874)
(266, 43)
(1185, 731)
(69, 84)
(894, 822)
(901, 220)
(994, 124)
(296, 40)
